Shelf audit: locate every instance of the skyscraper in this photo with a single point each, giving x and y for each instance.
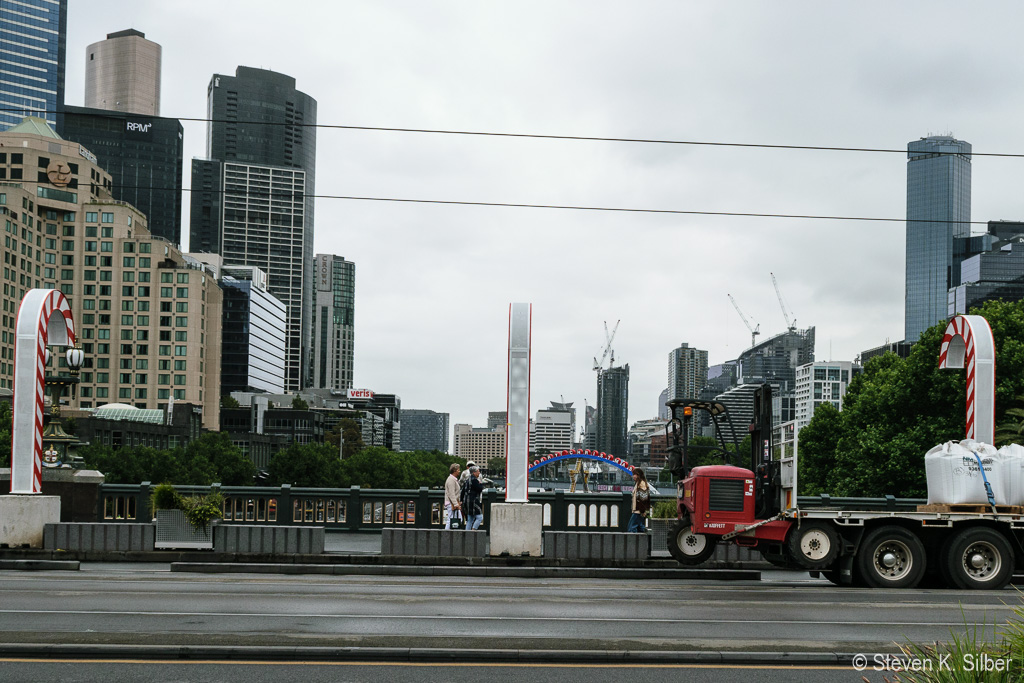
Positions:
(253, 336)
(938, 209)
(424, 430)
(143, 155)
(612, 411)
(687, 371)
(34, 38)
(333, 323)
(252, 199)
(122, 73)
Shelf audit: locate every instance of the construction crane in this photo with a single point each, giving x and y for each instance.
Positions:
(790, 321)
(754, 331)
(608, 352)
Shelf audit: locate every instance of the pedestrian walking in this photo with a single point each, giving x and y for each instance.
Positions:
(641, 502)
(451, 495)
(472, 504)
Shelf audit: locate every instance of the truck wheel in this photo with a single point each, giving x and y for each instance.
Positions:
(979, 558)
(813, 545)
(687, 547)
(891, 557)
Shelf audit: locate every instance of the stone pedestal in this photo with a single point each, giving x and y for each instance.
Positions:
(516, 529)
(23, 517)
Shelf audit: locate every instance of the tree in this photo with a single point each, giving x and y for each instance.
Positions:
(299, 404)
(228, 401)
(230, 466)
(314, 465)
(348, 429)
(898, 409)
(5, 434)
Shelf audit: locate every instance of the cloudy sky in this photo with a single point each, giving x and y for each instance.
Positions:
(434, 282)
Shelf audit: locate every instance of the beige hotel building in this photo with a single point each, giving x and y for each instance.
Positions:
(147, 316)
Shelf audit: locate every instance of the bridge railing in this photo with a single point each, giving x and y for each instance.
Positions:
(358, 509)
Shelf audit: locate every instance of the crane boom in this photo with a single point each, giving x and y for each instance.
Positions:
(607, 347)
(754, 331)
(790, 322)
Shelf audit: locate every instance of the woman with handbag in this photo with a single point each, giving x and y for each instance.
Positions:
(641, 502)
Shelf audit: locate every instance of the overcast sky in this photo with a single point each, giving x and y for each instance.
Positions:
(434, 282)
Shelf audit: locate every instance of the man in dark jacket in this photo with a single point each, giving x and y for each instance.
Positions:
(472, 505)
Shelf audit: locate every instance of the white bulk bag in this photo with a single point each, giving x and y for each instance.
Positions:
(954, 476)
(1013, 466)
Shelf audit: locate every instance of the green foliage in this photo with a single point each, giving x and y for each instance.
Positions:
(299, 404)
(1011, 429)
(5, 434)
(348, 429)
(314, 465)
(210, 458)
(201, 510)
(898, 409)
(664, 509)
(164, 497)
(228, 401)
(959, 660)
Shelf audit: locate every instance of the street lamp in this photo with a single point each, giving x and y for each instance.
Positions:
(55, 440)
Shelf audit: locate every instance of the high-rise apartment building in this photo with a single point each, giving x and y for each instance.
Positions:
(479, 445)
(143, 155)
(687, 371)
(612, 411)
(252, 198)
(122, 73)
(938, 209)
(424, 430)
(33, 34)
(252, 359)
(147, 316)
(821, 382)
(334, 323)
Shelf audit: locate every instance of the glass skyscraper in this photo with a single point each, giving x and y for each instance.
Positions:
(612, 411)
(252, 199)
(34, 38)
(938, 209)
(334, 322)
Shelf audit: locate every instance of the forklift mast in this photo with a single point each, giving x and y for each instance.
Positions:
(767, 472)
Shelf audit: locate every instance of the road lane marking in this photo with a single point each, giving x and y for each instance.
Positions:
(442, 665)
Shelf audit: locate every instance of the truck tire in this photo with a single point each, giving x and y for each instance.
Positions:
(687, 547)
(978, 558)
(813, 545)
(891, 557)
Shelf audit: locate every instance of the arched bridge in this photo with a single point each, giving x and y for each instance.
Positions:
(588, 454)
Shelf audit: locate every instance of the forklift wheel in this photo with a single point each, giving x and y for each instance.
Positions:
(813, 545)
(687, 547)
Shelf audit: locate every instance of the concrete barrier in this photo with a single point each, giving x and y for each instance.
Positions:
(585, 545)
(99, 536)
(268, 540)
(433, 542)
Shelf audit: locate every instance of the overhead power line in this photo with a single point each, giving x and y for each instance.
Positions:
(540, 136)
(516, 205)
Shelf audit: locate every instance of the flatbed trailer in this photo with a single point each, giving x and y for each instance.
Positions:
(876, 542)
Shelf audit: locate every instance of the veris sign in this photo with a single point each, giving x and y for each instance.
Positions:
(360, 393)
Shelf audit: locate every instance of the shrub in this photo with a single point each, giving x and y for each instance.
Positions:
(164, 497)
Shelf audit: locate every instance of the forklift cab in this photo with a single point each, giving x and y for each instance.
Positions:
(765, 471)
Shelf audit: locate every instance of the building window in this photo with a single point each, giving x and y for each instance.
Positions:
(108, 217)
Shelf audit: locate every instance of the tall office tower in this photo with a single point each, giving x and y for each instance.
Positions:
(480, 445)
(612, 411)
(253, 333)
(34, 38)
(122, 73)
(497, 418)
(333, 322)
(143, 154)
(147, 316)
(252, 198)
(938, 209)
(663, 411)
(822, 382)
(424, 430)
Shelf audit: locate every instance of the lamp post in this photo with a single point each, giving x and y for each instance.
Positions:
(55, 440)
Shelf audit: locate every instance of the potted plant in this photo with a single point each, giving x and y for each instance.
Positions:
(184, 521)
(663, 517)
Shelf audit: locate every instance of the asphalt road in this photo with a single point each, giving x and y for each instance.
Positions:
(204, 672)
(146, 604)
